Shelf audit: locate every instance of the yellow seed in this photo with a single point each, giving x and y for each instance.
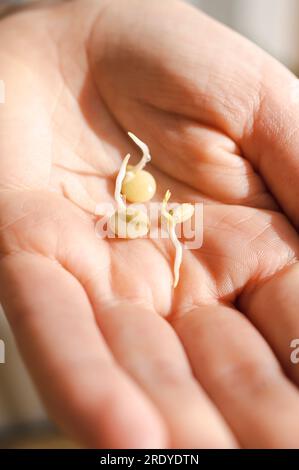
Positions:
(138, 186)
(131, 223)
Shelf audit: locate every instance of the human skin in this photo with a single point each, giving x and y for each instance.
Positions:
(120, 358)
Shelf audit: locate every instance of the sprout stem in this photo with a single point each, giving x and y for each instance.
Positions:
(119, 181)
(178, 253)
(164, 210)
(171, 222)
(146, 157)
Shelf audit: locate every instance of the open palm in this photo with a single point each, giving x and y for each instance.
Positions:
(119, 357)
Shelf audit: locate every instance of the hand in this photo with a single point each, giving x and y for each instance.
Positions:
(119, 357)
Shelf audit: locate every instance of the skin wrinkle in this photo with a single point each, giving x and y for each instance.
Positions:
(261, 233)
(231, 200)
(249, 134)
(291, 257)
(65, 86)
(234, 290)
(249, 291)
(88, 283)
(91, 172)
(257, 157)
(145, 291)
(204, 95)
(88, 48)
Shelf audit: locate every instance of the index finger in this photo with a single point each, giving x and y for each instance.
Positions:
(84, 389)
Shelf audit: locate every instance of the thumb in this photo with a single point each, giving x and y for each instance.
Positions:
(272, 145)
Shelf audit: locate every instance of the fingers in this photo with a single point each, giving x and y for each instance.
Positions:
(241, 375)
(273, 308)
(146, 346)
(83, 388)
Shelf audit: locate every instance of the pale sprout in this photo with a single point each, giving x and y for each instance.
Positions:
(179, 215)
(119, 181)
(127, 222)
(146, 157)
(139, 185)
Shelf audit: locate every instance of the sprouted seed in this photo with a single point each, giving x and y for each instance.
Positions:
(173, 217)
(139, 185)
(127, 222)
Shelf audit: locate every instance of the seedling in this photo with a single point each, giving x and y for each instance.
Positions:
(179, 215)
(127, 222)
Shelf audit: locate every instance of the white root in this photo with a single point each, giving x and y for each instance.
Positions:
(179, 215)
(178, 253)
(118, 184)
(146, 157)
(164, 210)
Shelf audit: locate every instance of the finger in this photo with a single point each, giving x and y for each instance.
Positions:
(241, 375)
(147, 347)
(83, 388)
(273, 308)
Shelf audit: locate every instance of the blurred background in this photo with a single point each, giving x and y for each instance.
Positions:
(272, 24)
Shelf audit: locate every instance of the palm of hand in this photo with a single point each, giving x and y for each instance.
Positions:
(83, 103)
